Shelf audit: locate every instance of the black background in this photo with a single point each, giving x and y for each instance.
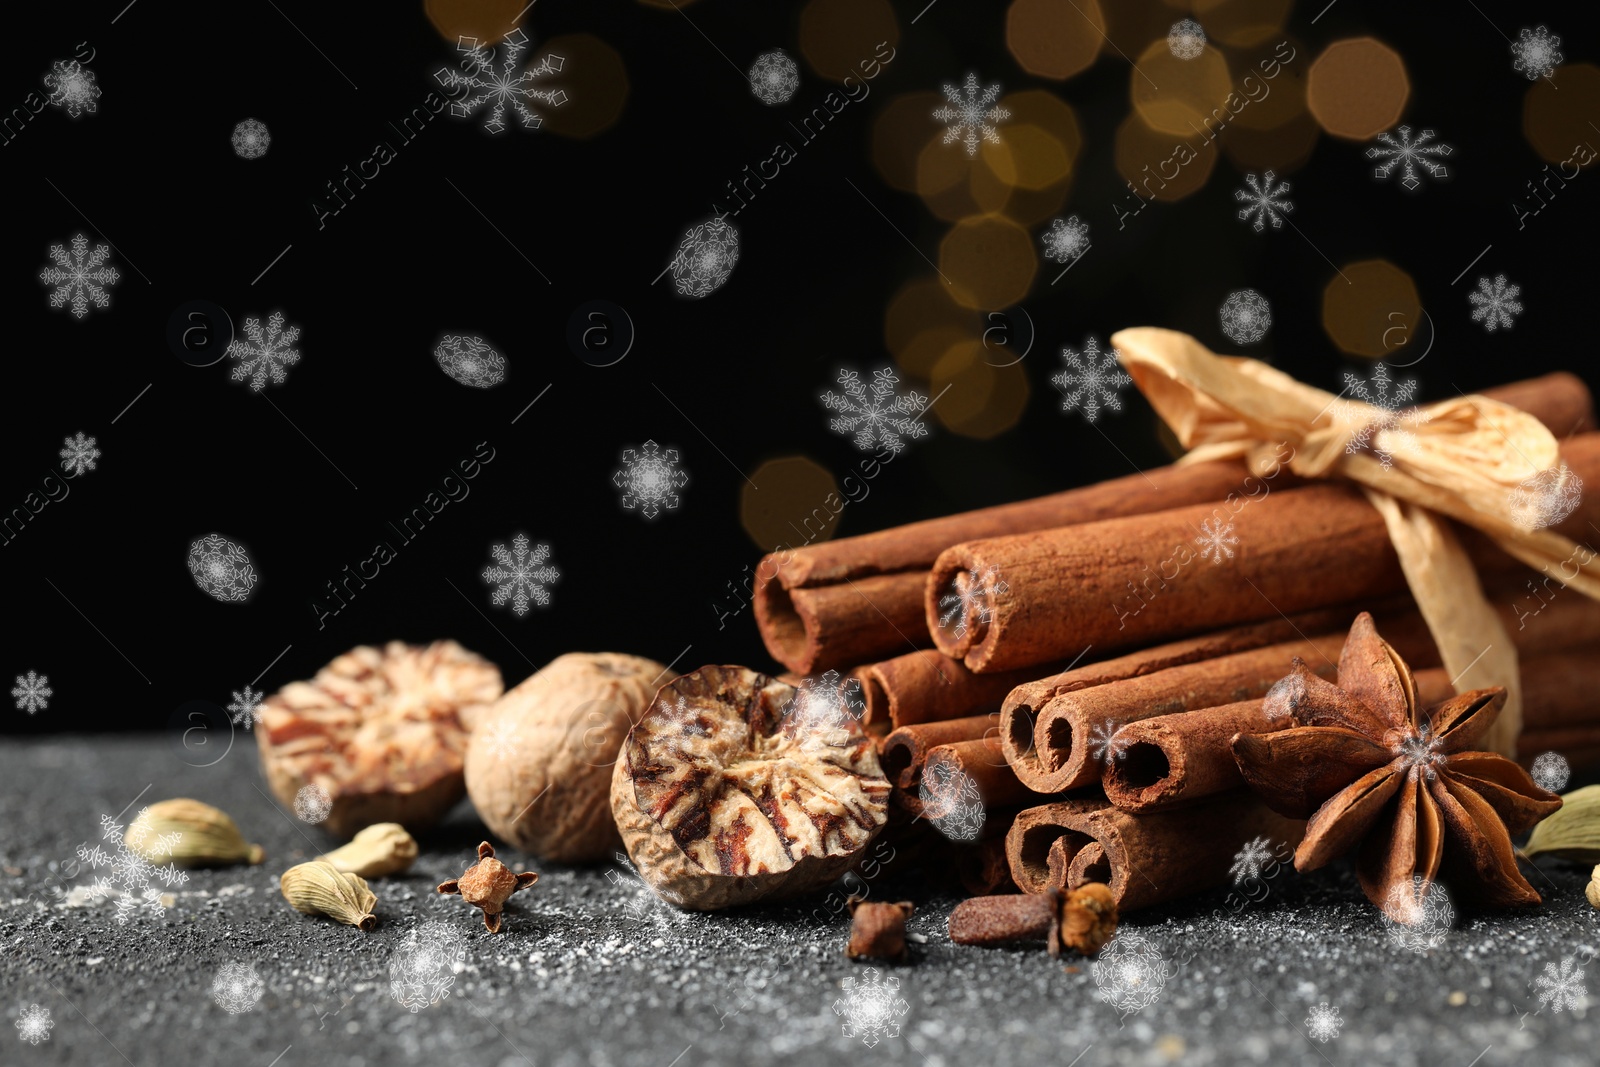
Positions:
(96, 586)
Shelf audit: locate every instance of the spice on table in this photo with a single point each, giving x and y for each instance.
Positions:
(190, 834)
(877, 930)
(1592, 890)
(1083, 919)
(1378, 772)
(487, 884)
(1573, 833)
(382, 848)
(317, 888)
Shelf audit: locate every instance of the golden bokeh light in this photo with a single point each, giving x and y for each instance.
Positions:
(1055, 38)
(945, 180)
(1132, 24)
(976, 398)
(1371, 309)
(1177, 96)
(795, 502)
(1242, 23)
(1160, 166)
(922, 304)
(596, 83)
(989, 260)
(1274, 100)
(1357, 88)
(838, 36)
(487, 20)
(1557, 112)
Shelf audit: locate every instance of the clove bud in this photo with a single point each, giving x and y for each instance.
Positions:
(189, 834)
(1083, 919)
(382, 848)
(318, 888)
(877, 930)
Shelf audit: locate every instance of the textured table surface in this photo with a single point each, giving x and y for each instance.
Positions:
(588, 973)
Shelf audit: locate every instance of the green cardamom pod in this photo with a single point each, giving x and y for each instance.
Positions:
(380, 849)
(189, 834)
(318, 888)
(1573, 832)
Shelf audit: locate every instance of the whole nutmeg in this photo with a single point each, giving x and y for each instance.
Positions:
(538, 763)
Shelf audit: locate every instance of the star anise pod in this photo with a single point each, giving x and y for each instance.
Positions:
(1372, 769)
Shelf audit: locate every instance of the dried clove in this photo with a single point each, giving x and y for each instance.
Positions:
(1083, 919)
(486, 884)
(878, 930)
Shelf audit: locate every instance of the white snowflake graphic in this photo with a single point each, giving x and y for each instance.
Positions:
(1418, 914)
(1324, 1023)
(1391, 421)
(1495, 305)
(519, 574)
(72, 87)
(1546, 498)
(221, 568)
(1550, 771)
(1186, 39)
(34, 1024)
(78, 454)
(79, 276)
(1066, 240)
(1130, 972)
(871, 1007)
(774, 77)
(132, 865)
(971, 114)
(424, 967)
(1536, 53)
(1216, 540)
(312, 803)
(500, 740)
(1561, 988)
(250, 139)
(1092, 378)
(639, 900)
(705, 258)
(1246, 316)
(1264, 201)
(1248, 861)
(237, 987)
(1104, 744)
(33, 692)
(973, 600)
(266, 354)
(821, 705)
(503, 88)
(1410, 157)
(242, 712)
(878, 418)
(650, 479)
(470, 361)
(952, 802)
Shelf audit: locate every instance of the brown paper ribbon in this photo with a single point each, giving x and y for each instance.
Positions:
(1460, 458)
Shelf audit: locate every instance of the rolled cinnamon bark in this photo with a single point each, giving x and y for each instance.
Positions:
(1075, 732)
(1144, 859)
(982, 868)
(857, 599)
(906, 750)
(928, 686)
(1121, 582)
(983, 763)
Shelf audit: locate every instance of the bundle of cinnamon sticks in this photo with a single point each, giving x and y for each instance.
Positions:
(1081, 661)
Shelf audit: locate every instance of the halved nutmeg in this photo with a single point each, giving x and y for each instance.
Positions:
(735, 787)
(380, 731)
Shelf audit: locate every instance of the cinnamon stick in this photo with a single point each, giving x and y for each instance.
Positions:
(1144, 859)
(1121, 582)
(856, 599)
(928, 686)
(981, 762)
(905, 750)
(982, 868)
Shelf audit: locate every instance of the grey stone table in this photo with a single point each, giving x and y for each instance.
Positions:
(589, 973)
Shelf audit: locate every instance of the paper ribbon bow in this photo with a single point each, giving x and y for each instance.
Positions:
(1463, 458)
